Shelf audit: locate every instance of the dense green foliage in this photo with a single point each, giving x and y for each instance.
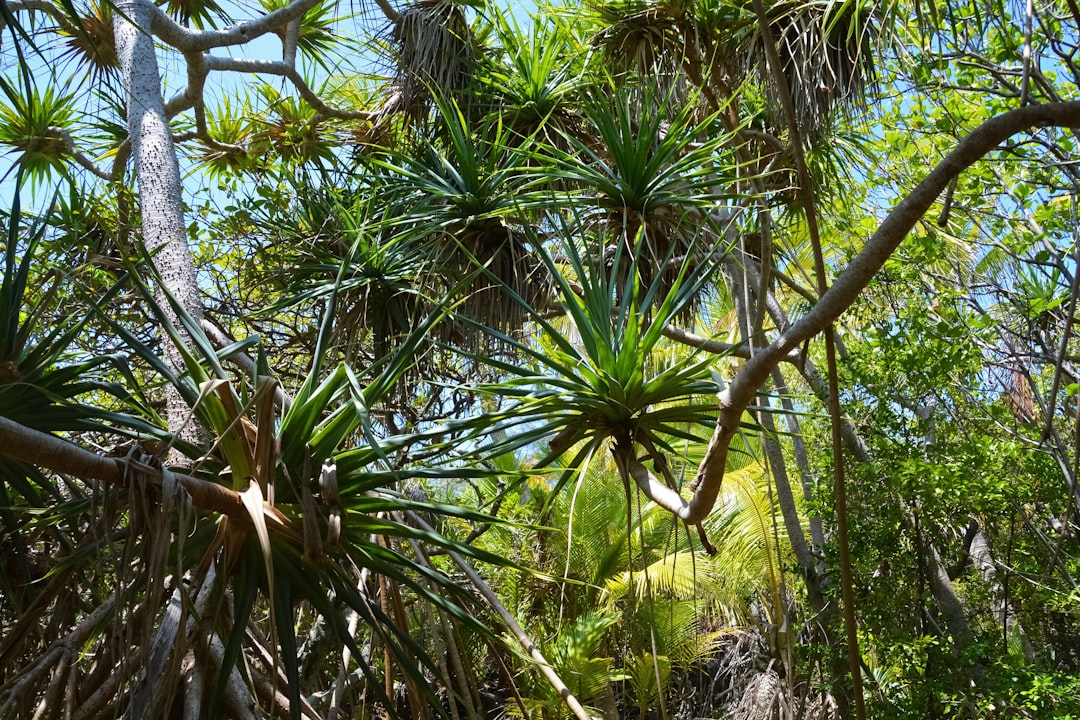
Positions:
(478, 293)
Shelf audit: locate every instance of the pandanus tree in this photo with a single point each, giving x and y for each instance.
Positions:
(224, 560)
(484, 254)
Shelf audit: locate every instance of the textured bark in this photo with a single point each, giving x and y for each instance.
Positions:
(802, 463)
(785, 498)
(937, 576)
(188, 40)
(158, 176)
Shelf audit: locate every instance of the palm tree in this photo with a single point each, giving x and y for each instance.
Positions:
(262, 536)
(495, 272)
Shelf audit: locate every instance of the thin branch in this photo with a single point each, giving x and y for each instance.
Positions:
(1066, 334)
(512, 624)
(388, 10)
(192, 94)
(1025, 80)
(276, 67)
(69, 145)
(711, 346)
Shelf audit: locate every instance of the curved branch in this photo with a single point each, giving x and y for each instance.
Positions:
(715, 347)
(388, 10)
(843, 292)
(192, 94)
(77, 155)
(187, 40)
(276, 67)
(892, 231)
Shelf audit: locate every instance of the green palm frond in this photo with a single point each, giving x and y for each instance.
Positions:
(107, 128)
(294, 130)
(541, 79)
(594, 544)
(27, 120)
(461, 199)
(683, 575)
(601, 384)
(335, 506)
(236, 147)
(648, 676)
(746, 532)
(386, 282)
(200, 13)
(43, 378)
(672, 624)
(50, 384)
(575, 654)
(92, 46)
(649, 181)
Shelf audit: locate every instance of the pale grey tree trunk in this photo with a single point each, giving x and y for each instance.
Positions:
(802, 464)
(1005, 614)
(948, 602)
(158, 175)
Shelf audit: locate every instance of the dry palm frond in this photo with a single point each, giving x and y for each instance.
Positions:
(657, 237)
(371, 137)
(827, 51)
(506, 270)
(1018, 396)
(741, 655)
(641, 36)
(655, 41)
(764, 696)
(435, 53)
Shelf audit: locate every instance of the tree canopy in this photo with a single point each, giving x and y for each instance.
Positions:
(633, 358)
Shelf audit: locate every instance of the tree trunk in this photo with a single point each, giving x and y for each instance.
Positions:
(948, 602)
(1005, 613)
(158, 176)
